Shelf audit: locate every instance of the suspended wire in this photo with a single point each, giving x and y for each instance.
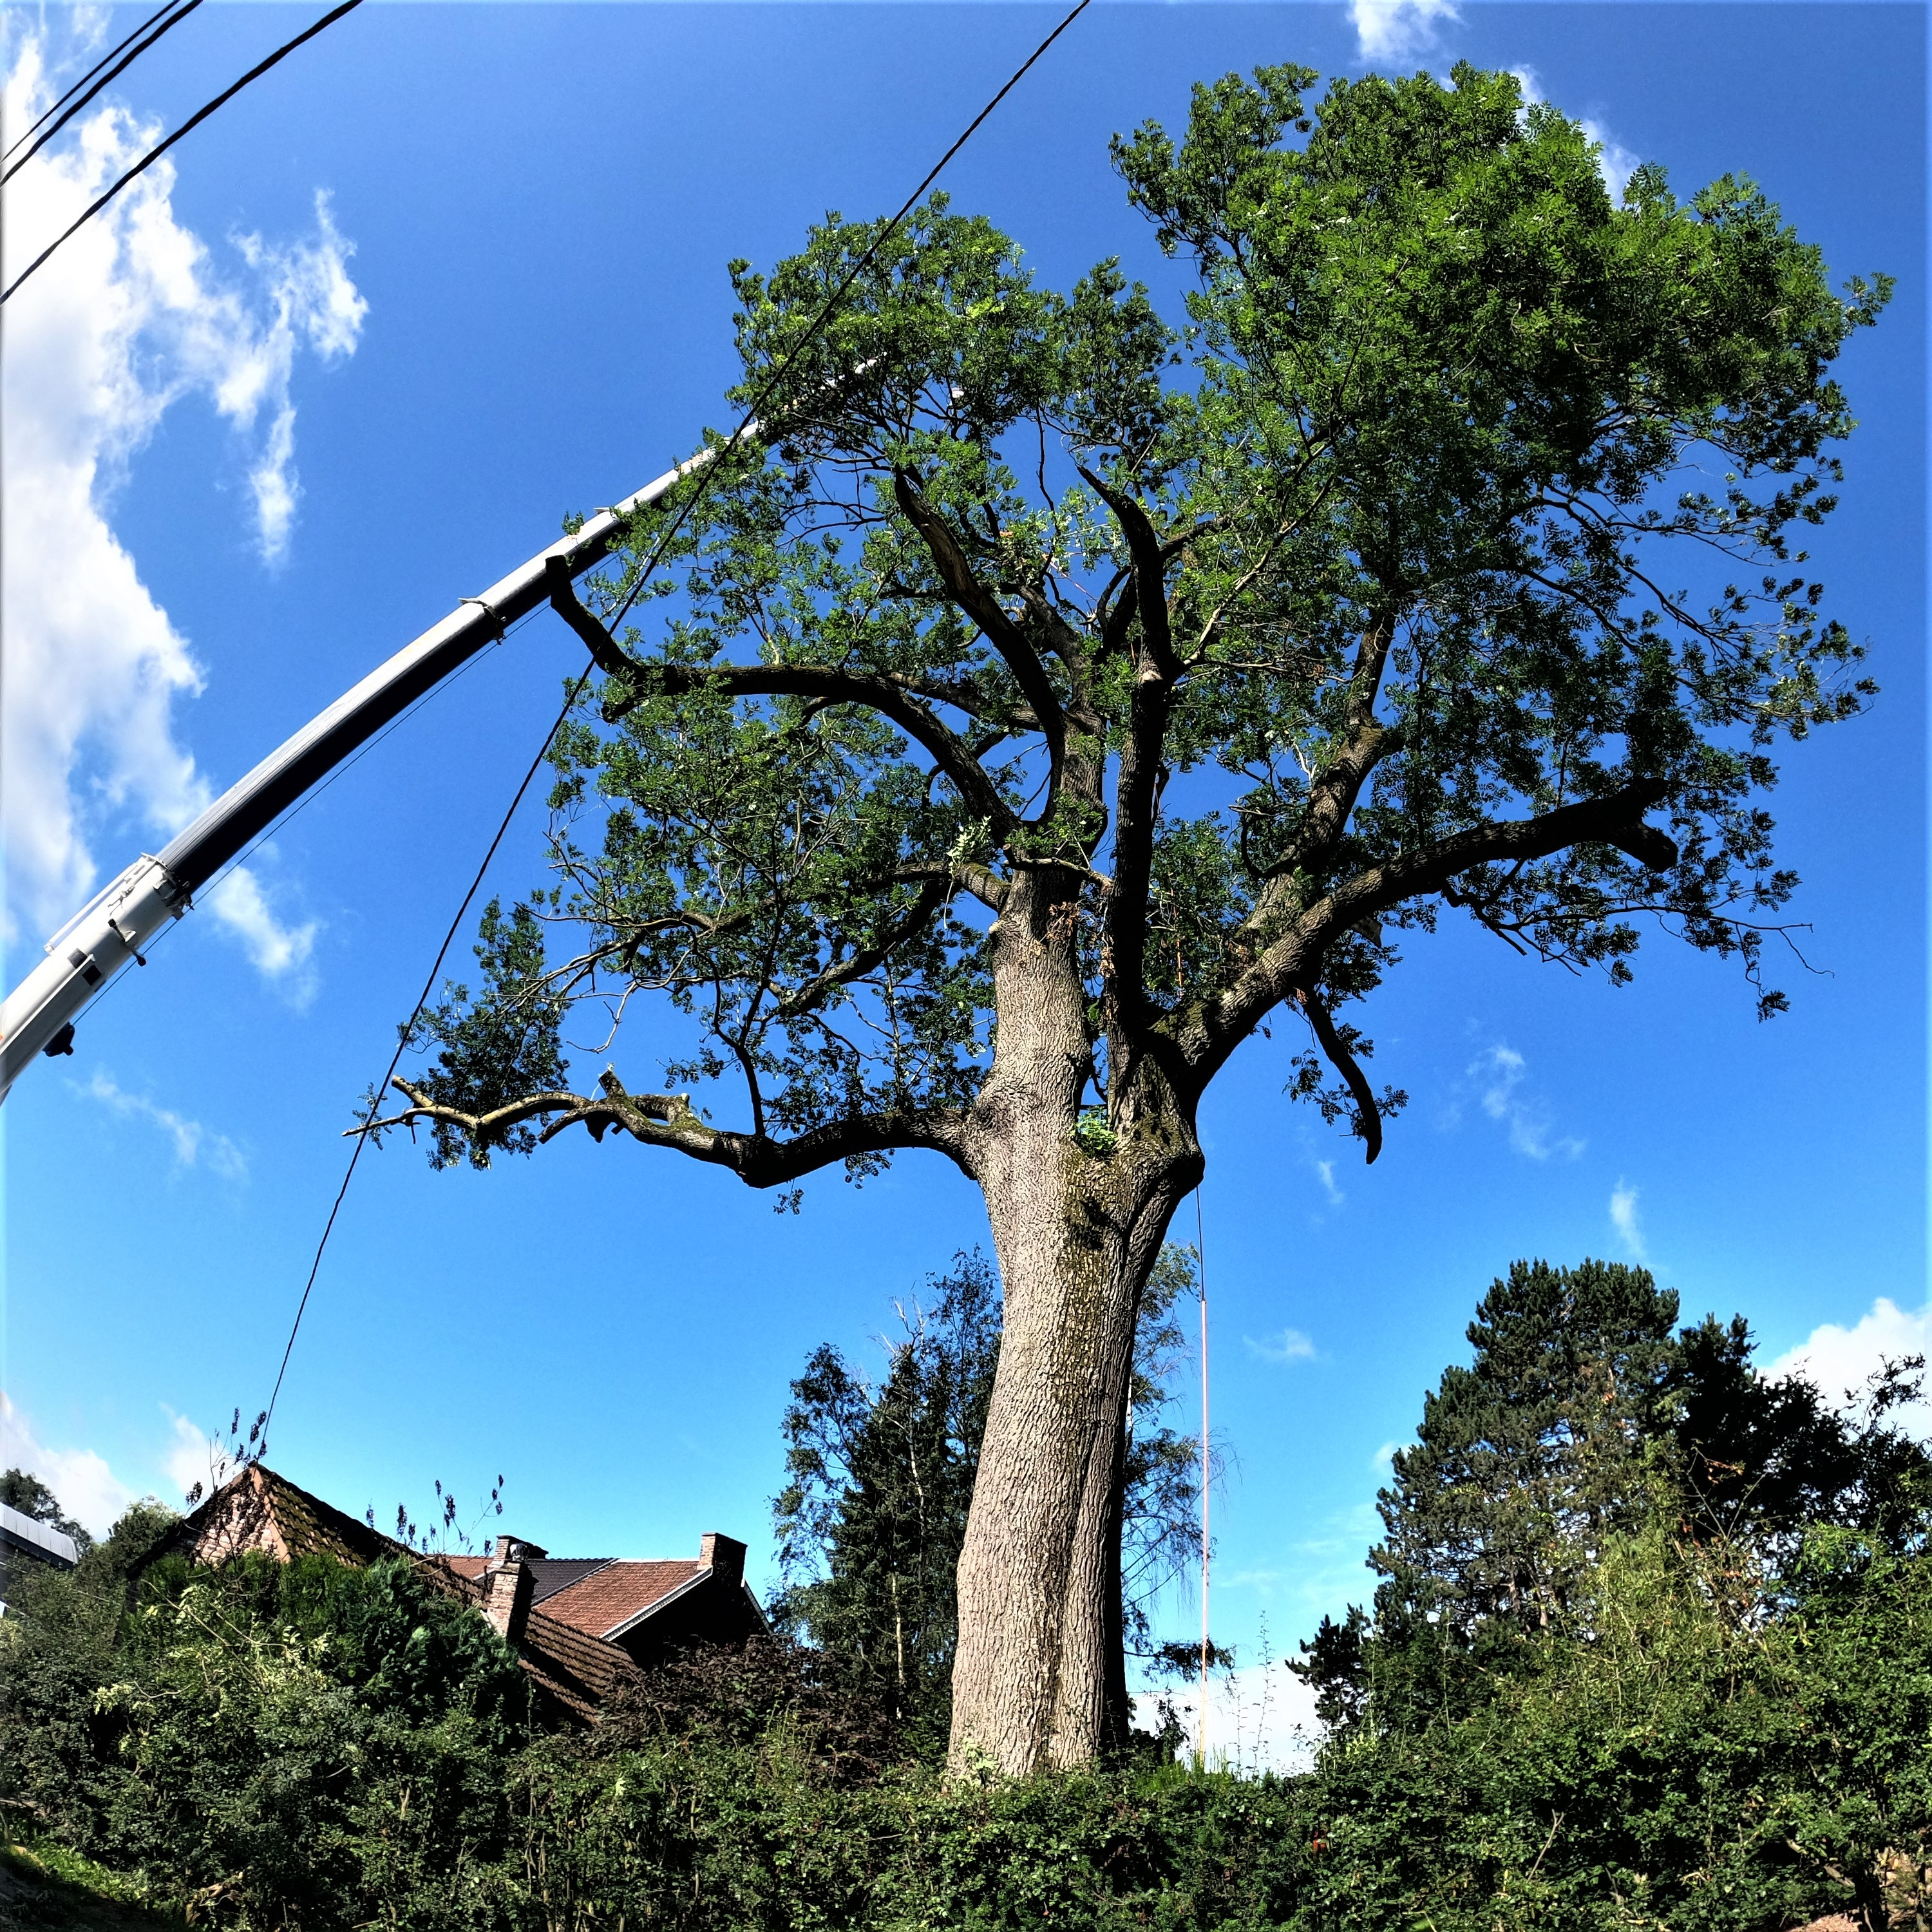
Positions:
(766, 388)
(55, 106)
(66, 113)
(187, 127)
(1201, 1264)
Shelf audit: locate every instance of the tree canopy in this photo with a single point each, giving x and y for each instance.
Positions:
(1055, 688)
(1449, 538)
(1587, 1417)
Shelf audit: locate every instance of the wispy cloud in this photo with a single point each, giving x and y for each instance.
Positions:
(1326, 1170)
(1615, 162)
(1501, 1073)
(195, 1145)
(1383, 1461)
(1398, 30)
(130, 317)
(1840, 1359)
(1624, 1218)
(193, 1456)
(88, 1489)
(1290, 1346)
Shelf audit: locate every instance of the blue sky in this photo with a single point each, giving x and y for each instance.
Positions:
(255, 441)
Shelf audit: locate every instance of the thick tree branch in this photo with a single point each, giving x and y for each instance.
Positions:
(885, 695)
(1144, 547)
(979, 604)
(1156, 671)
(931, 895)
(612, 659)
(1368, 1116)
(667, 1120)
(1290, 963)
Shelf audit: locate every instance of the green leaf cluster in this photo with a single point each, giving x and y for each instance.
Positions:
(1390, 571)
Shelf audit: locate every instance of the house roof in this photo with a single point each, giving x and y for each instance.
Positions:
(257, 1509)
(616, 1594)
(18, 1530)
(576, 1603)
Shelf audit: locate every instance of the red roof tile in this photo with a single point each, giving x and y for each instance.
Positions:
(610, 1597)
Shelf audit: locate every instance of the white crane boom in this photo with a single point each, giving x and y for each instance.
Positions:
(120, 922)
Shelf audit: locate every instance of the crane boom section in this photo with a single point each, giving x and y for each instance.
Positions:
(118, 924)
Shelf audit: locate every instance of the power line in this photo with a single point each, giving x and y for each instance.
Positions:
(766, 388)
(187, 127)
(60, 101)
(67, 112)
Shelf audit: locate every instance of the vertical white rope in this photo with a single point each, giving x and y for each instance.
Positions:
(1200, 1262)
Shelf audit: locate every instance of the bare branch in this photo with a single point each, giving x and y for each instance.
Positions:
(667, 1120)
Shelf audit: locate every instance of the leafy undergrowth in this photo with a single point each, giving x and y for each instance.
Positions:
(326, 1749)
(48, 1887)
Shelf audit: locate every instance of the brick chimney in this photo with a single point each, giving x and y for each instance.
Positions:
(724, 1556)
(507, 1585)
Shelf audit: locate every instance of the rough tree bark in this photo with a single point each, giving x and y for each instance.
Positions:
(1039, 1677)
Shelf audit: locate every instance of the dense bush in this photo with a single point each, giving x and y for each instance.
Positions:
(320, 1748)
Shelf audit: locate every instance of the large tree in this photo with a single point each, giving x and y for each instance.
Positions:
(1053, 698)
(880, 1476)
(1583, 1414)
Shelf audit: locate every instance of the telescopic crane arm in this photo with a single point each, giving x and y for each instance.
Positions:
(121, 921)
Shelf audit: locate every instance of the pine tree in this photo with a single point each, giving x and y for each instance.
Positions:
(1584, 1412)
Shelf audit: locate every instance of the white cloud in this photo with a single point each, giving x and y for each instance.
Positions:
(1395, 30)
(1260, 1717)
(1383, 1461)
(1615, 162)
(1290, 1346)
(193, 1457)
(1326, 1169)
(1501, 1071)
(1839, 1359)
(278, 950)
(1624, 1218)
(89, 1490)
(131, 316)
(195, 1145)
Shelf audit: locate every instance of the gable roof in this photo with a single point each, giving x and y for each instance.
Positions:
(577, 1603)
(256, 1509)
(616, 1594)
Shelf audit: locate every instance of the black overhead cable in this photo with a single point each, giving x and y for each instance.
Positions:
(691, 502)
(193, 121)
(67, 106)
(55, 106)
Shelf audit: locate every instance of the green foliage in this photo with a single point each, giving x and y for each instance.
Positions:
(1585, 1416)
(880, 1479)
(879, 1482)
(250, 1741)
(1711, 1738)
(1448, 417)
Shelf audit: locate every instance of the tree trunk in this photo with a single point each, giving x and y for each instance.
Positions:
(1077, 1230)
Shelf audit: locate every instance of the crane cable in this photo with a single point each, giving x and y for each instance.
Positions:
(1201, 1268)
(67, 106)
(259, 1435)
(187, 127)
